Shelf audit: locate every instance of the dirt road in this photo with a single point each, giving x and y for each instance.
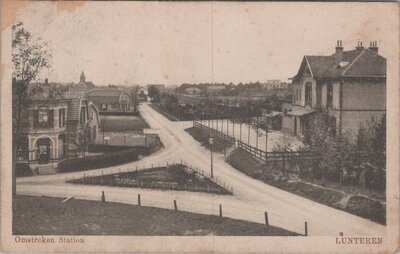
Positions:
(250, 200)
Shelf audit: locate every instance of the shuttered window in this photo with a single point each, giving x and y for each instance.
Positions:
(43, 118)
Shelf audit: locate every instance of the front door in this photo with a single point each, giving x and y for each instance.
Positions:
(295, 126)
(43, 151)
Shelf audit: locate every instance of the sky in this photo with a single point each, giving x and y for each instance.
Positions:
(171, 43)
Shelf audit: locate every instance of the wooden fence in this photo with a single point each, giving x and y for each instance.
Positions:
(214, 132)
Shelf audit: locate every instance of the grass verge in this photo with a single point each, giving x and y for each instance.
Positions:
(47, 216)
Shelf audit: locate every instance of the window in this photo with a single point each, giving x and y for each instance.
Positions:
(61, 117)
(103, 106)
(308, 93)
(43, 118)
(83, 115)
(329, 95)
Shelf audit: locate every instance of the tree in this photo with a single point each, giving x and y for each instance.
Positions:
(154, 94)
(30, 56)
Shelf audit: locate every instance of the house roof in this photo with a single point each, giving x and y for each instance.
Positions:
(360, 63)
(73, 109)
(300, 112)
(105, 95)
(74, 103)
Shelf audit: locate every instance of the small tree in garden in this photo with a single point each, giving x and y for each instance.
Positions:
(85, 138)
(334, 153)
(371, 138)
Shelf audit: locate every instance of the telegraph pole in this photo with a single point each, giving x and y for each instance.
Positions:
(266, 138)
(257, 132)
(248, 133)
(211, 141)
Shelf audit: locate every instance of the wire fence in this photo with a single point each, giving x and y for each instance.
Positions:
(127, 178)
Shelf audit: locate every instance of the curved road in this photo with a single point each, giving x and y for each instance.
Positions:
(250, 200)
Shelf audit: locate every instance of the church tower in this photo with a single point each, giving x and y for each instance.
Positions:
(83, 78)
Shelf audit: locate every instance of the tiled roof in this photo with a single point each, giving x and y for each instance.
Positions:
(107, 92)
(353, 63)
(73, 109)
(105, 95)
(74, 102)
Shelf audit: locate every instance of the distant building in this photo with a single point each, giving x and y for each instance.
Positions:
(52, 129)
(215, 89)
(82, 85)
(111, 99)
(351, 84)
(193, 90)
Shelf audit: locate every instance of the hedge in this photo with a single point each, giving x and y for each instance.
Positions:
(23, 170)
(100, 161)
(118, 113)
(98, 148)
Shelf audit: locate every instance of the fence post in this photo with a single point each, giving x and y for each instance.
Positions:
(175, 206)
(138, 199)
(220, 210)
(103, 197)
(305, 229)
(266, 218)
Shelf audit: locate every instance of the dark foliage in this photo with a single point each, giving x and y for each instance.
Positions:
(23, 170)
(99, 161)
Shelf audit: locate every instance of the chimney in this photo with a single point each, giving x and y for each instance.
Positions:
(339, 51)
(359, 45)
(373, 46)
(46, 81)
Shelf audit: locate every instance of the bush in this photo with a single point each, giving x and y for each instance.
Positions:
(367, 208)
(23, 170)
(106, 148)
(99, 161)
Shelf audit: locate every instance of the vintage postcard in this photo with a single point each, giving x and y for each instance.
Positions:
(199, 127)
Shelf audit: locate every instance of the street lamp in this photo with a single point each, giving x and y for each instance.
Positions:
(211, 142)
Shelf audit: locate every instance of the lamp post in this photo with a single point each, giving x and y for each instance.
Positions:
(211, 141)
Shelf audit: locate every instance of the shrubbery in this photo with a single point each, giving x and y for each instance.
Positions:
(99, 161)
(367, 208)
(23, 170)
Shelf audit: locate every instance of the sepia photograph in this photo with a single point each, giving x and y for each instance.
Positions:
(197, 121)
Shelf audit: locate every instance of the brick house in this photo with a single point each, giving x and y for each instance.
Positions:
(52, 130)
(110, 99)
(351, 84)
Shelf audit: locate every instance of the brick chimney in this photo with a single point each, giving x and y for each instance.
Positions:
(373, 46)
(46, 81)
(359, 46)
(339, 51)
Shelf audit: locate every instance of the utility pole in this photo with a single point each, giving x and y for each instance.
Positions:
(257, 132)
(248, 133)
(227, 127)
(266, 139)
(233, 128)
(240, 130)
(211, 141)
